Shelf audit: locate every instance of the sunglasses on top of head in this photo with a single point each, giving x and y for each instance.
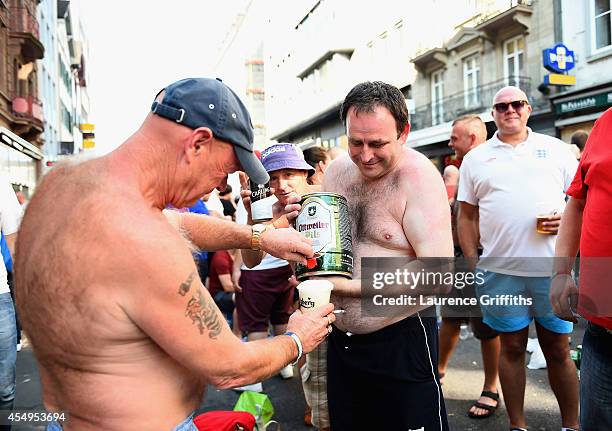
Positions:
(517, 105)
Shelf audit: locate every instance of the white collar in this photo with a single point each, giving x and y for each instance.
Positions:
(496, 142)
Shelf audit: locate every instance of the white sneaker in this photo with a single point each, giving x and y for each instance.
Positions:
(286, 372)
(255, 387)
(19, 347)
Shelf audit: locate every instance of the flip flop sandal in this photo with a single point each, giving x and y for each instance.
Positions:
(490, 409)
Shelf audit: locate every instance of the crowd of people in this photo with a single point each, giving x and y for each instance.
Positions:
(134, 305)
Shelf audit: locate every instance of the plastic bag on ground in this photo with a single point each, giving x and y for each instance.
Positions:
(537, 360)
(532, 344)
(259, 405)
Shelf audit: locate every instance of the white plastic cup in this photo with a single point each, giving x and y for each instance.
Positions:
(314, 293)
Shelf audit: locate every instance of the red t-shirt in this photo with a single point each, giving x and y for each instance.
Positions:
(593, 181)
(221, 264)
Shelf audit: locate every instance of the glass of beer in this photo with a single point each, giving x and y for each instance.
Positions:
(544, 210)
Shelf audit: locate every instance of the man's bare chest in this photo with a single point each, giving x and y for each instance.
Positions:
(376, 217)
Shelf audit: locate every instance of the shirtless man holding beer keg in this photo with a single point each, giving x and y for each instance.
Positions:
(382, 371)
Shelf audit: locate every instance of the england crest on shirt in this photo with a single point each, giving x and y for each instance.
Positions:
(541, 153)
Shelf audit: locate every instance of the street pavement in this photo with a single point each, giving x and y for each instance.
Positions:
(462, 384)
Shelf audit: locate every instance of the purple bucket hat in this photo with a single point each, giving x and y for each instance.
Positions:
(285, 156)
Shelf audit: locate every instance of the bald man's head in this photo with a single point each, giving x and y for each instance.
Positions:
(451, 175)
(511, 111)
(468, 132)
(509, 93)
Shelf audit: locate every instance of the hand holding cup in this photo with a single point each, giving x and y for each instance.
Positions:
(312, 326)
(548, 218)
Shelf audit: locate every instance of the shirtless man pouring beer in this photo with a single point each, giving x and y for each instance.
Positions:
(124, 332)
(382, 371)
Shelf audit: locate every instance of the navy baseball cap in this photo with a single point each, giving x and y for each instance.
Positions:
(207, 102)
(285, 156)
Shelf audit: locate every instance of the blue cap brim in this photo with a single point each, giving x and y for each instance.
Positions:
(251, 165)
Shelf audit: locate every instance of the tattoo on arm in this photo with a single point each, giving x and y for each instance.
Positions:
(203, 314)
(186, 285)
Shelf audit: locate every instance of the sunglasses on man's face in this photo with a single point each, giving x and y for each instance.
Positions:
(517, 105)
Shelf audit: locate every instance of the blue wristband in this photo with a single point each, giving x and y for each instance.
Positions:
(298, 343)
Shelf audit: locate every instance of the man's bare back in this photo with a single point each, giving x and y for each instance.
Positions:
(377, 209)
(95, 361)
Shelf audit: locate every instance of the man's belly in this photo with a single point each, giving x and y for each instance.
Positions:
(357, 322)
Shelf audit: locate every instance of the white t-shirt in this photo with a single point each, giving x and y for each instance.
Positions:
(508, 184)
(214, 203)
(268, 261)
(10, 217)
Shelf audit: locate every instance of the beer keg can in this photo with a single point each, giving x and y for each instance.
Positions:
(324, 220)
(261, 202)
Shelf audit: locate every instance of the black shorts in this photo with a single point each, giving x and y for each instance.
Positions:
(225, 301)
(386, 380)
(470, 314)
(481, 330)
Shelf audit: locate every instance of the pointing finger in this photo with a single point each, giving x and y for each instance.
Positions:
(244, 180)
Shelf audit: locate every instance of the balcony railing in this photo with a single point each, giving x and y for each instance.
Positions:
(23, 21)
(28, 107)
(473, 101)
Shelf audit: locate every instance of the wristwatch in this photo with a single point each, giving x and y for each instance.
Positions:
(256, 231)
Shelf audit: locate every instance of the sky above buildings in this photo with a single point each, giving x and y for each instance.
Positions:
(137, 47)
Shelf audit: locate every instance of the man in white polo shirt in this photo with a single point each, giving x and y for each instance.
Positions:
(502, 186)
(10, 216)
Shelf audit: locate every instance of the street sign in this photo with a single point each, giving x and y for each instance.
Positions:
(559, 79)
(558, 59)
(88, 143)
(600, 100)
(86, 127)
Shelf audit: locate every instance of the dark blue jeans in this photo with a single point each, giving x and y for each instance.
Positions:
(596, 380)
(8, 353)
